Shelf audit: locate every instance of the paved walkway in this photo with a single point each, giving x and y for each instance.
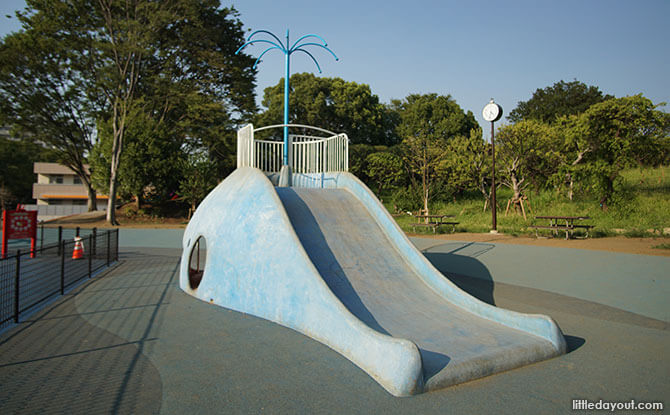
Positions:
(130, 341)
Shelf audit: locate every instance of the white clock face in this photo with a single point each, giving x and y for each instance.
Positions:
(491, 112)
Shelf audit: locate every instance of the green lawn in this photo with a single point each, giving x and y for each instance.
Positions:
(645, 211)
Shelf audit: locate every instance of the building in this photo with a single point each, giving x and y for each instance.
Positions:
(60, 192)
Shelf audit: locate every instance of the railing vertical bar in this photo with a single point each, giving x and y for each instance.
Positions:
(108, 246)
(95, 240)
(17, 286)
(60, 238)
(90, 255)
(62, 268)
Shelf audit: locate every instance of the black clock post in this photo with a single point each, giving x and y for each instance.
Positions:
(492, 112)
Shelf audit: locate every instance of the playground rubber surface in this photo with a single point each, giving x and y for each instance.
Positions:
(130, 341)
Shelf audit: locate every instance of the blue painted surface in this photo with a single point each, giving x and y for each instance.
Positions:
(256, 264)
(244, 216)
(539, 325)
(363, 268)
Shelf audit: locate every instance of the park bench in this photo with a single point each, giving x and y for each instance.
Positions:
(434, 222)
(568, 226)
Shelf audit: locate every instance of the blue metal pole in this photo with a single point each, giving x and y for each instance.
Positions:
(286, 75)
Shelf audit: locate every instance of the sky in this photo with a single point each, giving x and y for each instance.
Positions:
(471, 50)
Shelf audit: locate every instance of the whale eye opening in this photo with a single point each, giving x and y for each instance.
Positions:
(196, 263)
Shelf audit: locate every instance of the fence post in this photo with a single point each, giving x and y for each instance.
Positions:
(60, 239)
(116, 251)
(16, 286)
(108, 238)
(77, 230)
(42, 237)
(95, 240)
(90, 254)
(62, 268)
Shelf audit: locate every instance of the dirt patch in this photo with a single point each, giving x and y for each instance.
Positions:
(641, 246)
(97, 220)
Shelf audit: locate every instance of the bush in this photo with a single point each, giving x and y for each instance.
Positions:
(407, 199)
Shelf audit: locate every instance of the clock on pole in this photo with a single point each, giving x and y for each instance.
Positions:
(493, 112)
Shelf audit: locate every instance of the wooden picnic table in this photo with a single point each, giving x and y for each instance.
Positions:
(569, 226)
(434, 221)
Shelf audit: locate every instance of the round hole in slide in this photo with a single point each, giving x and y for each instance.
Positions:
(196, 263)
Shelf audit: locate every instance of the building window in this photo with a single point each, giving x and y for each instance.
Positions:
(77, 180)
(56, 179)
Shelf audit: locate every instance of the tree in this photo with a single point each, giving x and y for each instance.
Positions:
(333, 104)
(427, 123)
(616, 134)
(178, 56)
(560, 99)
(199, 178)
(16, 168)
(190, 43)
(44, 98)
(467, 164)
(385, 169)
(152, 155)
(528, 152)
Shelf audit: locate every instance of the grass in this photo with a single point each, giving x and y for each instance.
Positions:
(661, 246)
(644, 211)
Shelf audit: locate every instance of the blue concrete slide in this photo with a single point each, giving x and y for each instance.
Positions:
(325, 258)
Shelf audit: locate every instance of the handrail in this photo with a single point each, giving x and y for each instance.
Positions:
(294, 125)
(307, 153)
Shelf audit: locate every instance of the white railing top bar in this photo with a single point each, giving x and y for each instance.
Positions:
(296, 126)
(306, 153)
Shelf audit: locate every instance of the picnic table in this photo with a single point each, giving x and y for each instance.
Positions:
(564, 223)
(434, 221)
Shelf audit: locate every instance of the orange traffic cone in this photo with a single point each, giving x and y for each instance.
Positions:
(78, 252)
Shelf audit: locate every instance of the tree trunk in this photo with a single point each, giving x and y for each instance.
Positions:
(516, 189)
(114, 168)
(424, 182)
(92, 203)
(571, 183)
(138, 201)
(111, 202)
(571, 180)
(609, 191)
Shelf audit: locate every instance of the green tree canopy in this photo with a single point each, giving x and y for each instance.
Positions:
(560, 99)
(170, 63)
(427, 123)
(331, 103)
(468, 163)
(385, 169)
(619, 133)
(44, 97)
(528, 153)
(16, 169)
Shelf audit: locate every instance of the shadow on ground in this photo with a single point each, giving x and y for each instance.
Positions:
(56, 362)
(477, 280)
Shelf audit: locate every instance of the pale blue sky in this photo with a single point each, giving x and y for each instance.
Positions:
(473, 50)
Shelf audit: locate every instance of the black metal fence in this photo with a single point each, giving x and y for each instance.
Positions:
(27, 279)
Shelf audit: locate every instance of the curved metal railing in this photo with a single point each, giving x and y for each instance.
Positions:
(308, 153)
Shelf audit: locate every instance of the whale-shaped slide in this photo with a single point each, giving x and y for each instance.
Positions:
(325, 258)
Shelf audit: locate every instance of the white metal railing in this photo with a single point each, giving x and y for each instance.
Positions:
(245, 146)
(308, 154)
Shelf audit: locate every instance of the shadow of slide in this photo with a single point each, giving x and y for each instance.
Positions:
(468, 273)
(458, 262)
